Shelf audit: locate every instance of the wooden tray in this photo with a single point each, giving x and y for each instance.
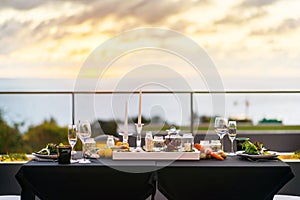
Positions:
(143, 155)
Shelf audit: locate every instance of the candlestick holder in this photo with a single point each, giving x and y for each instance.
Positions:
(139, 128)
(125, 137)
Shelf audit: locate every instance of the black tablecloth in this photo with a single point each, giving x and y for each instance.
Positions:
(50, 180)
(232, 178)
(293, 186)
(8, 183)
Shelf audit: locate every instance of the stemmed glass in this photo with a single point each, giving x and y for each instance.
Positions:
(72, 137)
(221, 129)
(232, 135)
(84, 132)
(139, 128)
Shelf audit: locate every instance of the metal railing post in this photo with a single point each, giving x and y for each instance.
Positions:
(73, 108)
(192, 112)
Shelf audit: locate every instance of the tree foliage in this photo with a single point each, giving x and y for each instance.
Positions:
(39, 136)
(10, 137)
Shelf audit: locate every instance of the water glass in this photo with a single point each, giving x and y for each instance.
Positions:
(221, 129)
(232, 135)
(84, 132)
(72, 136)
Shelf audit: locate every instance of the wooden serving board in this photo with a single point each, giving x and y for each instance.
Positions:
(143, 155)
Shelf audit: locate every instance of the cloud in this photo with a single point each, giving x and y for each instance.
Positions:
(11, 31)
(285, 26)
(124, 15)
(256, 3)
(154, 11)
(241, 18)
(246, 11)
(21, 4)
(11, 28)
(145, 11)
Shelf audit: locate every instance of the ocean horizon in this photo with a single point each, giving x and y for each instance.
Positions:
(33, 109)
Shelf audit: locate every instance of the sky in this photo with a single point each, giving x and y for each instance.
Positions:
(253, 43)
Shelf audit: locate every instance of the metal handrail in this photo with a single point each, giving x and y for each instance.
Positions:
(158, 92)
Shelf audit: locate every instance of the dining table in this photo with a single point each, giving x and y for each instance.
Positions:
(100, 179)
(104, 178)
(232, 178)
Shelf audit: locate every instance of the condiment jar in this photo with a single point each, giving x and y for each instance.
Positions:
(158, 143)
(187, 142)
(215, 145)
(149, 141)
(89, 147)
(173, 139)
(175, 143)
(110, 142)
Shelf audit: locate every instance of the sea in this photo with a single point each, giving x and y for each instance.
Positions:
(174, 108)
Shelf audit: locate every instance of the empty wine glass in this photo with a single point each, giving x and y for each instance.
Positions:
(232, 135)
(72, 137)
(84, 132)
(221, 129)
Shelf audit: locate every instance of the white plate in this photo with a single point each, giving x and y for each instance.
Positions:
(54, 156)
(286, 157)
(271, 155)
(29, 156)
(14, 162)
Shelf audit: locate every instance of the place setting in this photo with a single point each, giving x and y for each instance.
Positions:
(83, 131)
(47, 154)
(247, 150)
(65, 153)
(257, 152)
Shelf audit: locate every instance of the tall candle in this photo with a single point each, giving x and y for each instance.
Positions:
(140, 109)
(126, 119)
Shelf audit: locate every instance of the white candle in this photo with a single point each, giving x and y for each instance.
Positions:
(140, 109)
(126, 119)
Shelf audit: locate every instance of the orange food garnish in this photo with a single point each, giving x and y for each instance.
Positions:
(215, 155)
(119, 143)
(125, 144)
(199, 147)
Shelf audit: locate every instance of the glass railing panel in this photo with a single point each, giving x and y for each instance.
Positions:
(30, 121)
(260, 111)
(159, 111)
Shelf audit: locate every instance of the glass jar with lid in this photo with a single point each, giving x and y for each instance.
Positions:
(89, 147)
(158, 143)
(173, 139)
(215, 145)
(205, 144)
(149, 141)
(110, 142)
(175, 143)
(187, 142)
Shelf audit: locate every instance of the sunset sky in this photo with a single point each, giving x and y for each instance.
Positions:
(247, 40)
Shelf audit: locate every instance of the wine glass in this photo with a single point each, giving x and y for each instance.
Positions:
(72, 137)
(139, 128)
(84, 132)
(221, 129)
(232, 135)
